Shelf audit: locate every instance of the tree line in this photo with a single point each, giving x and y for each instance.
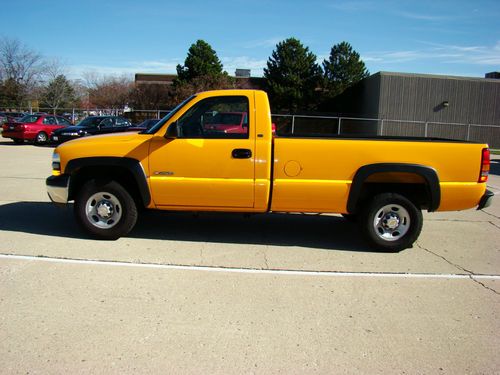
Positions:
(293, 78)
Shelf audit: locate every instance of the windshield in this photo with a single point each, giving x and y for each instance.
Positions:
(90, 122)
(162, 122)
(29, 119)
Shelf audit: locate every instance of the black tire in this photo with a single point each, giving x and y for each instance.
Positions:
(352, 218)
(18, 141)
(105, 209)
(391, 222)
(41, 138)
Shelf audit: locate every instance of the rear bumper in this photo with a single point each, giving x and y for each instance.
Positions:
(486, 200)
(58, 188)
(15, 135)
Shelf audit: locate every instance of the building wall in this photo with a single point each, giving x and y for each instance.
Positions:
(421, 98)
(416, 105)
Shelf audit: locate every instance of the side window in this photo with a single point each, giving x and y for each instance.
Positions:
(106, 123)
(62, 121)
(121, 122)
(219, 117)
(49, 120)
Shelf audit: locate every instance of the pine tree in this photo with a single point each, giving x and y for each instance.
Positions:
(58, 94)
(201, 61)
(292, 76)
(343, 69)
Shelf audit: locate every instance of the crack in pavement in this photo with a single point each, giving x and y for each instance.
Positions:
(488, 213)
(471, 274)
(492, 223)
(265, 258)
(484, 286)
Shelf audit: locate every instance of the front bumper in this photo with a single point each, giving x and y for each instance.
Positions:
(58, 138)
(486, 200)
(58, 188)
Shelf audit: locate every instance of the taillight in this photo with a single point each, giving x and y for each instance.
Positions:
(485, 165)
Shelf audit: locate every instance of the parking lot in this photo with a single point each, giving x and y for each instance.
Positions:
(226, 293)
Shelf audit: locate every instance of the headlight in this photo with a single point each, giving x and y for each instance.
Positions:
(56, 162)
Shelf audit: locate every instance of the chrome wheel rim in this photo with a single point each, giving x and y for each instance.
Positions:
(103, 210)
(41, 138)
(391, 222)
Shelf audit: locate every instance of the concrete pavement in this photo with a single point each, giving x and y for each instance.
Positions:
(107, 317)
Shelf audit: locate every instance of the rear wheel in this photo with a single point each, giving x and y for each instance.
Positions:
(391, 222)
(41, 138)
(105, 209)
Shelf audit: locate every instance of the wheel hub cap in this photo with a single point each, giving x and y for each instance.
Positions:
(105, 209)
(391, 221)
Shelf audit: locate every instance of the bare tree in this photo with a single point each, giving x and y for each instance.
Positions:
(20, 66)
(54, 68)
(108, 91)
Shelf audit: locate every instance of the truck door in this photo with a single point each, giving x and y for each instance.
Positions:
(204, 166)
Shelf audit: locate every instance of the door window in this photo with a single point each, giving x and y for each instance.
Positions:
(49, 120)
(106, 123)
(219, 117)
(62, 121)
(121, 122)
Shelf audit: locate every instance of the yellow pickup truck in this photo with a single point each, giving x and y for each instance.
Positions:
(185, 162)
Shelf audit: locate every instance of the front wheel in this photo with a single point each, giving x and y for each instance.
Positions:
(391, 222)
(105, 209)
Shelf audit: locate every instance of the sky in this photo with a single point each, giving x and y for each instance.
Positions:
(111, 37)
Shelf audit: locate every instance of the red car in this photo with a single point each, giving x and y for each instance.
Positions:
(33, 128)
(228, 122)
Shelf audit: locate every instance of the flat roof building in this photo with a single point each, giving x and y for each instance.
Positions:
(428, 105)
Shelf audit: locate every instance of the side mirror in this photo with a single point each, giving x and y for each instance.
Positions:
(172, 132)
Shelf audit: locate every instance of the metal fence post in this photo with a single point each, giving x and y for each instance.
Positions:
(468, 132)
(426, 127)
(293, 124)
(340, 124)
(382, 127)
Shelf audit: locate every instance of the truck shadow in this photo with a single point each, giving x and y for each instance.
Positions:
(313, 231)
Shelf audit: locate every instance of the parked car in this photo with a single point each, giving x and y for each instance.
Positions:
(33, 128)
(92, 125)
(145, 125)
(227, 122)
(10, 116)
(73, 118)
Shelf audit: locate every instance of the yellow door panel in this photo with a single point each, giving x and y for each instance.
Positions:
(201, 172)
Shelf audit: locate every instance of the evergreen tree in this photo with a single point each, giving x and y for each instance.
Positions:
(292, 76)
(58, 94)
(201, 61)
(343, 69)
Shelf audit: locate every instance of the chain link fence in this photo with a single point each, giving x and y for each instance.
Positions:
(301, 125)
(323, 126)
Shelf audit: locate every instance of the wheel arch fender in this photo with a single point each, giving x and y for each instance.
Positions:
(132, 166)
(428, 174)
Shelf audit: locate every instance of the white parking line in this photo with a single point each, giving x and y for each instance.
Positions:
(250, 270)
